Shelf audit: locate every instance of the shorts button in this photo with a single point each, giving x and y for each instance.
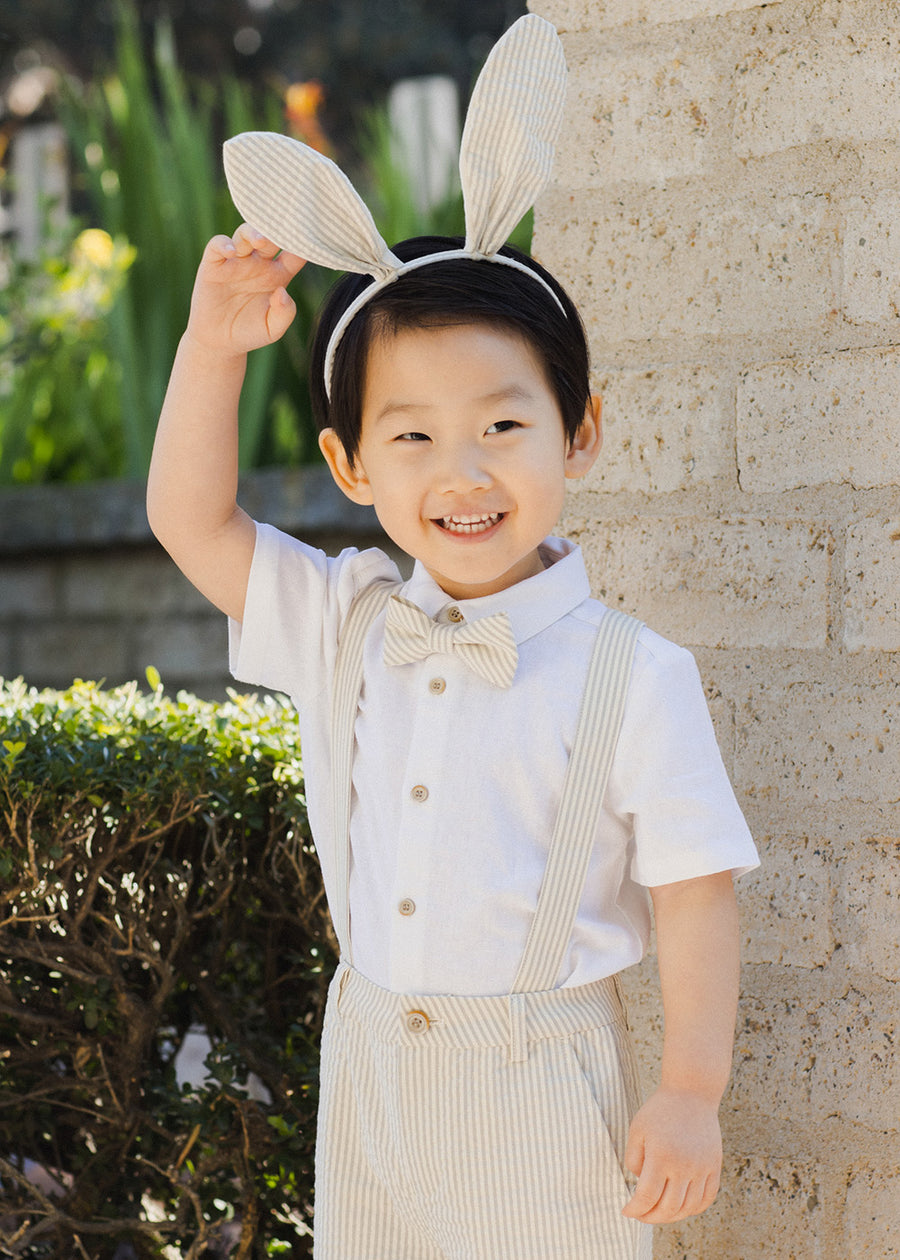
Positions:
(419, 793)
(407, 906)
(417, 1021)
(436, 686)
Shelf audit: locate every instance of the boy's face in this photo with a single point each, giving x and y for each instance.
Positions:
(462, 453)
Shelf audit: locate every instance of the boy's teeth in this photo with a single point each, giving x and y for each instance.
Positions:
(469, 524)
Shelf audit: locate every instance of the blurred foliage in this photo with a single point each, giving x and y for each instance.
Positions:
(59, 385)
(156, 873)
(146, 149)
(355, 48)
(82, 380)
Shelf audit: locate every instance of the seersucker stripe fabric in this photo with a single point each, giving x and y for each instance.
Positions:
(588, 772)
(512, 125)
(303, 202)
(348, 675)
(482, 1128)
(487, 644)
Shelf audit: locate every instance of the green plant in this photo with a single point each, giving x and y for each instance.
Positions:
(80, 397)
(146, 143)
(59, 389)
(156, 872)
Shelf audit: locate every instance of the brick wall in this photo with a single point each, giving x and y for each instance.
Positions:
(87, 592)
(726, 212)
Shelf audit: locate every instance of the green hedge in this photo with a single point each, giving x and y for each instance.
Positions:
(156, 872)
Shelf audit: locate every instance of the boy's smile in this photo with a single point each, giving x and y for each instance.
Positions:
(462, 453)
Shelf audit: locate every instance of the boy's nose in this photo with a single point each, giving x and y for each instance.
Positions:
(463, 470)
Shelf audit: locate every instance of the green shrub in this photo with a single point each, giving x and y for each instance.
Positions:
(156, 872)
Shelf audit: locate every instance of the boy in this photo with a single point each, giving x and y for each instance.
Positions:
(456, 401)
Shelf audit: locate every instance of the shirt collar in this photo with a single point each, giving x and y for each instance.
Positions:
(532, 605)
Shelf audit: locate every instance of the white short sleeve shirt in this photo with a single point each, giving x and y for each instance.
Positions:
(456, 783)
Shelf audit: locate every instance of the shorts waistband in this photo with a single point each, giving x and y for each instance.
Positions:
(462, 1022)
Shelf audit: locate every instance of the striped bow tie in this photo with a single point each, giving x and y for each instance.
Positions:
(486, 645)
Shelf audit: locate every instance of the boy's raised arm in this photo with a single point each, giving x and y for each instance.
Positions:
(675, 1146)
(239, 304)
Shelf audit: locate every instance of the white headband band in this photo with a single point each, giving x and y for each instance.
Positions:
(306, 205)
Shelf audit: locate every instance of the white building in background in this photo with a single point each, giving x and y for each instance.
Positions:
(424, 118)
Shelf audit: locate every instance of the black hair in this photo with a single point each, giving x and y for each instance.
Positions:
(459, 291)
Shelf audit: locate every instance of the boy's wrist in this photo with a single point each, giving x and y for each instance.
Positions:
(705, 1088)
(215, 354)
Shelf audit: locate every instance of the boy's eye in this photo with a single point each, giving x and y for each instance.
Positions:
(412, 437)
(503, 426)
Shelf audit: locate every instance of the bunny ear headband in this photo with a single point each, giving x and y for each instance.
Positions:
(306, 205)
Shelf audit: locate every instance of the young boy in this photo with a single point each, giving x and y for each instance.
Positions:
(478, 1096)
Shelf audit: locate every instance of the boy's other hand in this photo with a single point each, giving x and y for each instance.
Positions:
(675, 1151)
(240, 300)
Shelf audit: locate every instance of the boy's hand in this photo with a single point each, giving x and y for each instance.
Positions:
(240, 301)
(675, 1150)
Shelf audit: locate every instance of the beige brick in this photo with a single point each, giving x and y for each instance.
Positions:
(868, 893)
(579, 15)
(857, 1072)
(646, 115)
(742, 583)
(872, 585)
(871, 258)
(767, 1209)
(786, 904)
(795, 418)
(662, 265)
(817, 742)
(872, 1213)
(801, 91)
(811, 1060)
(664, 429)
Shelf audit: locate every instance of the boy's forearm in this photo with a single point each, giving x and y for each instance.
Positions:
(192, 483)
(698, 946)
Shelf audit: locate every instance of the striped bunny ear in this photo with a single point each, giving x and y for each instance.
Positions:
(512, 124)
(299, 199)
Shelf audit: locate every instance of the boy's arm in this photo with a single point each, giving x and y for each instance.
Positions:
(239, 304)
(675, 1146)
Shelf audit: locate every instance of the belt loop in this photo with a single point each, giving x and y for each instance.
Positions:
(344, 977)
(518, 1030)
(620, 994)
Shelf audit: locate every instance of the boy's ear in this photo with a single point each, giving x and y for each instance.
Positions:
(585, 446)
(350, 477)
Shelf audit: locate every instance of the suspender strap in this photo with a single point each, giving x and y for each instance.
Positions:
(348, 675)
(573, 837)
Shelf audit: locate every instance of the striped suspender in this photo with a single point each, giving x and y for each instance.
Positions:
(348, 676)
(573, 835)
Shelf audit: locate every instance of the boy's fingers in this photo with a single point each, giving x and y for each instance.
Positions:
(647, 1195)
(282, 309)
(291, 263)
(219, 247)
(248, 241)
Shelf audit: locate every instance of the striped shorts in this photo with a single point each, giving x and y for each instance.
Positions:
(470, 1128)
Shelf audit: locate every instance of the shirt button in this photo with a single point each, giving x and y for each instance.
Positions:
(417, 1021)
(455, 614)
(436, 686)
(407, 906)
(419, 793)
